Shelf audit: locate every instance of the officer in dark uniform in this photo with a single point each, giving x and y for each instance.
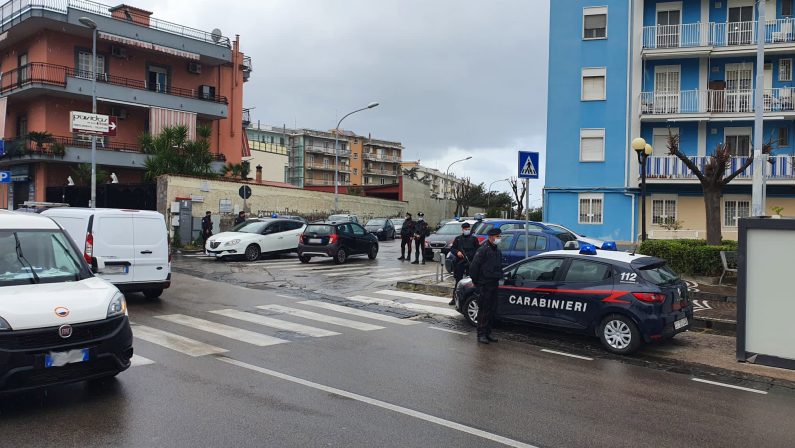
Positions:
(463, 249)
(420, 232)
(486, 272)
(207, 225)
(241, 217)
(406, 232)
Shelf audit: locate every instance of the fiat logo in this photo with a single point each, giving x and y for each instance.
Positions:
(62, 311)
(65, 331)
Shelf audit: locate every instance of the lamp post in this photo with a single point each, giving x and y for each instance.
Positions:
(488, 193)
(447, 180)
(93, 26)
(644, 150)
(337, 153)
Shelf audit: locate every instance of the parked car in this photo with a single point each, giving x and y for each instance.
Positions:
(134, 244)
(481, 230)
(55, 312)
(442, 239)
(343, 218)
(624, 299)
(336, 240)
(294, 218)
(254, 237)
(381, 228)
(398, 223)
(513, 244)
(581, 238)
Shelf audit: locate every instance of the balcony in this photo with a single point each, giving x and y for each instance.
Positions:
(685, 102)
(329, 167)
(392, 173)
(247, 68)
(322, 182)
(670, 168)
(712, 35)
(328, 151)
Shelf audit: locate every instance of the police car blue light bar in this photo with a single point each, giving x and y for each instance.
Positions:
(587, 249)
(609, 245)
(275, 215)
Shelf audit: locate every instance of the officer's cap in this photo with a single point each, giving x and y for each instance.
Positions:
(420, 214)
(465, 225)
(494, 232)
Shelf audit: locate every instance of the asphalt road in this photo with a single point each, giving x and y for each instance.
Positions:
(371, 381)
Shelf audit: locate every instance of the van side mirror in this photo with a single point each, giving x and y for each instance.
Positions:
(98, 265)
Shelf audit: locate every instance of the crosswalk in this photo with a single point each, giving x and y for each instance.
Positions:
(273, 324)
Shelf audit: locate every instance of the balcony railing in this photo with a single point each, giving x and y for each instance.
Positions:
(324, 150)
(23, 147)
(671, 167)
(13, 9)
(329, 167)
(721, 34)
(38, 73)
(325, 182)
(715, 101)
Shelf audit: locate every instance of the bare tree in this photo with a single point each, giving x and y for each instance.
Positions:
(712, 179)
(519, 191)
(462, 194)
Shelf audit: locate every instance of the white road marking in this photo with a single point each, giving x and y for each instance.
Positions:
(447, 330)
(315, 268)
(249, 337)
(197, 256)
(381, 404)
(407, 277)
(269, 262)
(321, 317)
(409, 306)
(731, 386)
(570, 355)
(275, 323)
(137, 361)
(413, 296)
(370, 272)
(358, 312)
(174, 342)
(286, 297)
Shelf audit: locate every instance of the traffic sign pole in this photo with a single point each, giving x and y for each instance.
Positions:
(526, 218)
(528, 169)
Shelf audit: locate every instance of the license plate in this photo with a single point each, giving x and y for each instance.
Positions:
(59, 359)
(681, 323)
(315, 241)
(116, 269)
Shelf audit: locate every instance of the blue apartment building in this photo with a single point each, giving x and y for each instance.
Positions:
(621, 69)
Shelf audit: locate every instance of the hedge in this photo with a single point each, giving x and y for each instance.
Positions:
(693, 257)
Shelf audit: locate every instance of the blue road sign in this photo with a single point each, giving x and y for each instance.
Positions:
(528, 165)
(5, 177)
(2, 147)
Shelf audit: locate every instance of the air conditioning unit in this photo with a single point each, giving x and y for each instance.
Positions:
(195, 67)
(117, 51)
(119, 112)
(206, 92)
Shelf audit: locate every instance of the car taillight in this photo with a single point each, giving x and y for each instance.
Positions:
(88, 253)
(649, 297)
(332, 239)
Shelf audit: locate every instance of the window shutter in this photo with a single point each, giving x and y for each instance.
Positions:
(593, 88)
(592, 149)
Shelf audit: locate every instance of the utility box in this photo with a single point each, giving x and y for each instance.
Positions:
(185, 221)
(765, 298)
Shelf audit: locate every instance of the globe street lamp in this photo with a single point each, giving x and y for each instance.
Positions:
(88, 23)
(644, 150)
(337, 156)
(447, 179)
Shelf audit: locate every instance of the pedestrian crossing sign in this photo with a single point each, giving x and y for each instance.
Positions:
(528, 165)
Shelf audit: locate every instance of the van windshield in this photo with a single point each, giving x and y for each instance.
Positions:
(38, 256)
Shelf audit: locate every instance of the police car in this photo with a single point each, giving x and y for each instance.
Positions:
(624, 299)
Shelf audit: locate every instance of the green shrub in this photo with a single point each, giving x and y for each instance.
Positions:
(693, 257)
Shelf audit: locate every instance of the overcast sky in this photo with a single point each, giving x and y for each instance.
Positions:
(454, 77)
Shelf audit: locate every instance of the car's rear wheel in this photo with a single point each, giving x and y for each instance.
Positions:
(619, 334)
(304, 258)
(342, 256)
(470, 309)
(153, 293)
(373, 252)
(252, 252)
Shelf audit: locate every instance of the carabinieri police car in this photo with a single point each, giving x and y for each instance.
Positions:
(624, 299)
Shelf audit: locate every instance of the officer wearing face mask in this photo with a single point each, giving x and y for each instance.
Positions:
(486, 272)
(463, 249)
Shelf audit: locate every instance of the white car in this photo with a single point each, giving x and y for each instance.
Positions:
(580, 238)
(59, 323)
(255, 237)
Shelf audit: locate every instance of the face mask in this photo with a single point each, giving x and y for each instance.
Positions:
(408, 217)
(497, 240)
(467, 232)
(422, 219)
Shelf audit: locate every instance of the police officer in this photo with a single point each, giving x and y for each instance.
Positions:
(207, 225)
(420, 232)
(241, 217)
(486, 272)
(406, 233)
(463, 249)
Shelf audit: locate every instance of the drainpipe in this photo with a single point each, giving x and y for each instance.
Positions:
(634, 215)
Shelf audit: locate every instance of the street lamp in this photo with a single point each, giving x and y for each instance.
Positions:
(88, 23)
(488, 193)
(644, 150)
(337, 153)
(447, 180)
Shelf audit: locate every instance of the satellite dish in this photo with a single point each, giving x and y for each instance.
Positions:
(216, 35)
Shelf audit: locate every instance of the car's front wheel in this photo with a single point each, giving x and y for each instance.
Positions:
(252, 252)
(619, 334)
(373, 252)
(304, 258)
(342, 256)
(470, 309)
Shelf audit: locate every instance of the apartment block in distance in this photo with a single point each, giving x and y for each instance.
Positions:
(269, 149)
(312, 159)
(150, 74)
(374, 162)
(622, 69)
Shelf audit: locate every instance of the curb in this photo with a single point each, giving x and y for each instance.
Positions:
(700, 295)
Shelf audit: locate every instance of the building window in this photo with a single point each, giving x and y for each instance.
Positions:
(368, 180)
(592, 145)
(591, 206)
(783, 136)
(383, 181)
(84, 64)
(281, 141)
(355, 156)
(734, 210)
(738, 141)
(786, 8)
(593, 84)
(594, 23)
(355, 171)
(663, 211)
(310, 159)
(785, 70)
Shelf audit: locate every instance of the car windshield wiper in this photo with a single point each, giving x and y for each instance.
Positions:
(71, 258)
(21, 257)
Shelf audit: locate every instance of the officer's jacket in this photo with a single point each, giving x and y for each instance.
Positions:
(487, 264)
(467, 244)
(408, 229)
(421, 229)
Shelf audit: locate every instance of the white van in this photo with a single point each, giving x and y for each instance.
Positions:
(58, 322)
(133, 243)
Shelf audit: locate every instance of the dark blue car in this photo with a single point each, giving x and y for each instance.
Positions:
(514, 241)
(482, 228)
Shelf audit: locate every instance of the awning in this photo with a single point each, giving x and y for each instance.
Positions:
(146, 45)
(246, 147)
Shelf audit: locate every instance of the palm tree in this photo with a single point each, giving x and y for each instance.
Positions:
(171, 152)
(237, 170)
(39, 138)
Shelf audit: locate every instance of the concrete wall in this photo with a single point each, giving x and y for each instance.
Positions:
(418, 197)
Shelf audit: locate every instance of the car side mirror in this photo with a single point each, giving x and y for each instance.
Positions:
(98, 265)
